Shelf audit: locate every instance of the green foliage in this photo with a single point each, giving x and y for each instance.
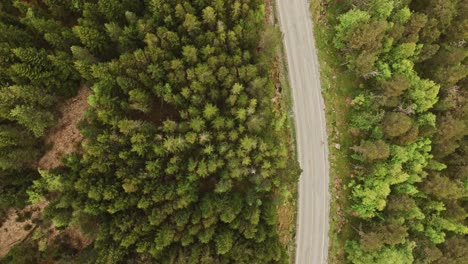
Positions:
(18, 147)
(444, 188)
(396, 124)
(35, 74)
(60, 250)
(381, 9)
(401, 254)
(184, 158)
(454, 251)
(395, 86)
(378, 236)
(22, 253)
(378, 150)
(408, 120)
(424, 95)
(402, 16)
(13, 187)
(31, 119)
(350, 21)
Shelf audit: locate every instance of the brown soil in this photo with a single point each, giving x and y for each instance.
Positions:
(12, 232)
(75, 238)
(65, 136)
(285, 222)
(269, 12)
(158, 113)
(63, 139)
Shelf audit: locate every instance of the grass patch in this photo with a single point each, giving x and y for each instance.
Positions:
(338, 88)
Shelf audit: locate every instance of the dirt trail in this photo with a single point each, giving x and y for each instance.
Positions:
(65, 136)
(12, 232)
(63, 139)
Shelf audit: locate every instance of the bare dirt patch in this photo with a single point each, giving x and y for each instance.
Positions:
(269, 12)
(63, 139)
(74, 237)
(285, 222)
(13, 232)
(65, 136)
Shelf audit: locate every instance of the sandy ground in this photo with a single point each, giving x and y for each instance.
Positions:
(304, 75)
(63, 139)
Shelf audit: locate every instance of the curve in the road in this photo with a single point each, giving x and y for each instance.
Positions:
(311, 135)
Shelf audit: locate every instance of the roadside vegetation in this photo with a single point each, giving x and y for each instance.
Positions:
(187, 154)
(287, 212)
(395, 85)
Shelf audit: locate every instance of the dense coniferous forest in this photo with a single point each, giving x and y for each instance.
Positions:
(36, 72)
(408, 121)
(184, 158)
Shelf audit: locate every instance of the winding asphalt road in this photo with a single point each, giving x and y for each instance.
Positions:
(311, 134)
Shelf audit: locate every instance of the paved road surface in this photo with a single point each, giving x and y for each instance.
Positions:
(312, 222)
